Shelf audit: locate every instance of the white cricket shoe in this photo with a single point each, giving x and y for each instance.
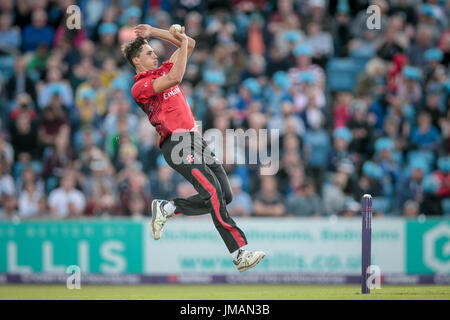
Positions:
(247, 259)
(159, 217)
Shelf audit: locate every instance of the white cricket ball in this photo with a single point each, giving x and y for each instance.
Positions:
(177, 27)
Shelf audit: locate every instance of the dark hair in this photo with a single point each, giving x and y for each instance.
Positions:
(133, 49)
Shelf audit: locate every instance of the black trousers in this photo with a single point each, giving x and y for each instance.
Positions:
(188, 154)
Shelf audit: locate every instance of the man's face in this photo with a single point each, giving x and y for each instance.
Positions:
(147, 59)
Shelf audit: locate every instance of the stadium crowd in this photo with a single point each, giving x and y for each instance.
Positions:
(359, 110)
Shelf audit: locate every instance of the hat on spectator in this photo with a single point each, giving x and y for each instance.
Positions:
(411, 73)
(427, 10)
(291, 36)
(419, 163)
(343, 133)
(444, 164)
(372, 169)
(236, 181)
(383, 144)
(434, 54)
(119, 83)
(88, 93)
(343, 7)
(431, 183)
(132, 12)
(281, 79)
(307, 77)
(107, 28)
(252, 85)
(212, 76)
(303, 50)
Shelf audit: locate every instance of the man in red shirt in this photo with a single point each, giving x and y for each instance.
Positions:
(157, 92)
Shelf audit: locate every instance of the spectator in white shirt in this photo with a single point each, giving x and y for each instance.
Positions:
(66, 201)
(7, 186)
(29, 199)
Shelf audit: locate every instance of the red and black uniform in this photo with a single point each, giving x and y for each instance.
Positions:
(186, 152)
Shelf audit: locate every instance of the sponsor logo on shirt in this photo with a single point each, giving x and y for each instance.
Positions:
(190, 158)
(171, 93)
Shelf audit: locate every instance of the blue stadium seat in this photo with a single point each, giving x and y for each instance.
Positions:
(362, 55)
(343, 72)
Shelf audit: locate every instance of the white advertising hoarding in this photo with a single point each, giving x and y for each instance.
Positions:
(192, 245)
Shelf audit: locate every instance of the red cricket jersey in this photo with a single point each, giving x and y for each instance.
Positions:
(168, 111)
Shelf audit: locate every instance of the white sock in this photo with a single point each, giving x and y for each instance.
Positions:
(234, 254)
(169, 208)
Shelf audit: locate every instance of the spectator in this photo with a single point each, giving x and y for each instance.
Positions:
(408, 87)
(163, 184)
(351, 209)
(433, 108)
(38, 32)
(37, 65)
(6, 153)
(22, 13)
(425, 136)
(303, 54)
(362, 131)
(268, 202)
(340, 151)
(334, 197)
(241, 205)
(342, 112)
(316, 145)
(8, 209)
(7, 187)
(59, 159)
(29, 176)
(24, 137)
(23, 105)
(53, 122)
(56, 85)
(341, 29)
(135, 192)
(443, 175)
(321, 43)
(410, 188)
(20, 82)
(411, 209)
(103, 200)
(305, 203)
(316, 13)
(431, 204)
(66, 201)
(130, 18)
(370, 181)
(9, 35)
(29, 199)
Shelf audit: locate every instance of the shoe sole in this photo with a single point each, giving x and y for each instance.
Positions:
(253, 264)
(154, 213)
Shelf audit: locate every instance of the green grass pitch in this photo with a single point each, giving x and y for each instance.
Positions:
(223, 292)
